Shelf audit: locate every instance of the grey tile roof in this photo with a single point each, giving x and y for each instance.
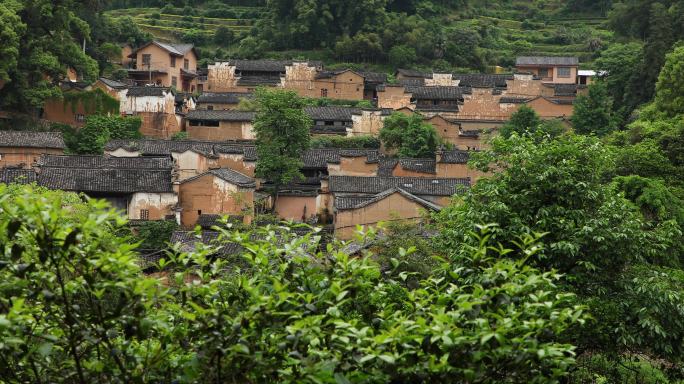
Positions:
(221, 115)
(333, 113)
(17, 175)
(412, 82)
(258, 80)
(148, 91)
(31, 139)
(439, 92)
(113, 83)
(419, 165)
(546, 60)
(473, 133)
(412, 73)
(565, 89)
(454, 157)
(374, 77)
(223, 97)
(229, 175)
(266, 65)
(209, 220)
(175, 48)
(320, 157)
(413, 185)
(189, 239)
(514, 100)
(481, 80)
(159, 147)
(355, 202)
(105, 162)
(106, 174)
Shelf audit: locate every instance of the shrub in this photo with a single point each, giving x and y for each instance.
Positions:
(345, 142)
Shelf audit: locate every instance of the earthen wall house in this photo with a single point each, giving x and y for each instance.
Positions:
(221, 101)
(156, 106)
(220, 191)
(21, 149)
(220, 125)
(557, 70)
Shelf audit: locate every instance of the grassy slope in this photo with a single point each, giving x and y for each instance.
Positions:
(509, 36)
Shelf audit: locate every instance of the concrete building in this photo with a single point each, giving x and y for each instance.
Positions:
(165, 65)
(557, 70)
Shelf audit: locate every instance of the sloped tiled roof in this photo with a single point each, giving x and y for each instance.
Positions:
(148, 91)
(481, 80)
(259, 80)
(209, 220)
(265, 65)
(189, 239)
(374, 77)
(223, 97)
(566, 89)
(454, 157)
(106, 174)
(355, 202)
(439, 92)
(17, 175)
(113, 83)
(334, 113)
(31, 139)
(320, 157)
(546, 60)
(412, 82)
(412, 73)
(221, 115)
(513, 100)
(228, 175)
(413, 185)
(418, 165)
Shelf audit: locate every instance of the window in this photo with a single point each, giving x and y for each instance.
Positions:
(543, 72)
(173, 61)
(174, 81)
(79, 117)
(146, 59)
(564, 72)
(324, 92)
(210, 107)
(144, 214)
(186, 64)
(199, 212)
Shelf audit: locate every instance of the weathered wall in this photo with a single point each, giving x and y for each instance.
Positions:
(159, 205)
(133, 104)
(24, 156)
(459, 171)
(483, 105)
(296, 208)
(216, 106)
(392, 208)
(301, 78)
(236, 162)
(227, 130)
(353, 166)
(548, 110)
(394, 97)
(221, 78)
(189, 164)
(211, 195)
(57, 111)
(367, 123)
(441, 80)
(159, 125)
(524, 86)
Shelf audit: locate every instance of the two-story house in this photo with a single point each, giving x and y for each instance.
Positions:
(165, 64)
(557, 70)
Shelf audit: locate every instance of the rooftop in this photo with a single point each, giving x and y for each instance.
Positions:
(223, 97)
(221, 115)
(546, 60)
(228, 175)
(31, 139)
(17, 175)
(413, 185)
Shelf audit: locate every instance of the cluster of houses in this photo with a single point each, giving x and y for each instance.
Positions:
(212, 172)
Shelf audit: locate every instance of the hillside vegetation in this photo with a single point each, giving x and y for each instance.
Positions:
(439, 34)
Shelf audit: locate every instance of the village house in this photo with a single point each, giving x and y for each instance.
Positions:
(367, 201)
(21, 149)
(17, 176)
(346, 121)
(218, 191)
(113, 88)
(143, 188)
(72, 108)
(220, 125)
(557, 70)
(308, 79)
(165, 65)
(213, 101)
(191, 157)
(158, 109)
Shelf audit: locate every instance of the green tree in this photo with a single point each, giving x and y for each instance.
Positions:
(282, 135)
(401, 56)
(50, 39)
(619, 68)
(524, 121)
(410, 136)
(593, 113)
(99, 129)
(669, 97)
(223, 36)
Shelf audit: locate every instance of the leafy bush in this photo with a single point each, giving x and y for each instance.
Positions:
(73, 306)
(345, 142)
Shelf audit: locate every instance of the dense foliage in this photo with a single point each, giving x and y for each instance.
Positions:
(409, 136)
(98, 130)
(74, 307)
(282, 135)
